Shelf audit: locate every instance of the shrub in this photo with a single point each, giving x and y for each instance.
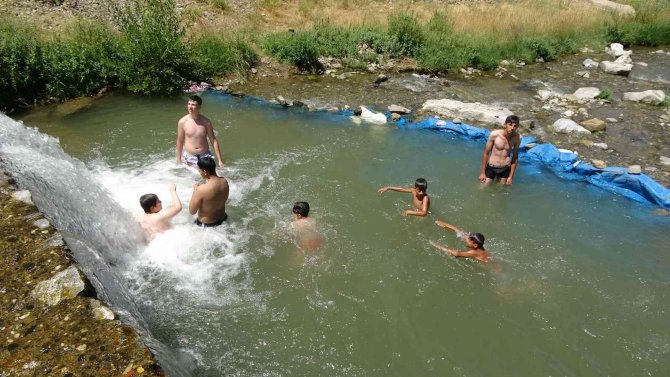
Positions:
(154, 58)
(21, 66)
(604, 94)
(407, 34)
(215, 56)
(299, 49)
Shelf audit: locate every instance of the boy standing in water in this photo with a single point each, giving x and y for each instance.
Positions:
(155, 220)
(475, 241)
(209, 199)
(193, 130)
(501, 153)
(305, 227)
(420, 199)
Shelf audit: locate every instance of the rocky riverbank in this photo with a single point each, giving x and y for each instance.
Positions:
(50, 320)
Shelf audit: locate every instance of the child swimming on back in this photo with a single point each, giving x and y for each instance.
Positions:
(475, 241)
(420, 199)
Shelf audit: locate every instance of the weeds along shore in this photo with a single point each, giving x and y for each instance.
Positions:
(155, 47)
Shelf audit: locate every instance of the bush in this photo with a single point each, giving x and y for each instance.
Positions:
(21, 66)
(408, 37)
(216, 56)
(154, 57)
(299, 49)
(604, 94)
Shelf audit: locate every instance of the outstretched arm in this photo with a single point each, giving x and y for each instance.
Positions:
(196, 200)
(175, 207)
(485, 157)
(180, 141)
(215, 143)
(442, 224)
(393, 188)
(455, 253)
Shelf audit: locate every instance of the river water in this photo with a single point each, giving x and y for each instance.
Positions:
(579, 285)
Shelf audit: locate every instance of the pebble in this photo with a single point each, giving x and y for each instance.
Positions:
(598, 164)
(602, 146)
(612, 120)
(634, 169)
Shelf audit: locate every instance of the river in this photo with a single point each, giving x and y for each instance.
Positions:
(578, 287)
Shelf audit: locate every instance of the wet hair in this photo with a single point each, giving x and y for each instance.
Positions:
(477, 238)
(301, 208)
(148, 201)
(207, 164)
(421, 184)
(512, 119)
(196, 98)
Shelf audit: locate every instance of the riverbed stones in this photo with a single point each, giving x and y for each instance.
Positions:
(544, 94)
(616, 68)
(634, 169)
(23, 196)
(42, 224)
(399, 109)
(602, 146)
(100, 311)
(586, 93)
(66, 284)
(594, 125)
(568, 126)
(472, 111)
(598, 164)
(590, 63)
(615, 49)
(583, 74)
(653, 97)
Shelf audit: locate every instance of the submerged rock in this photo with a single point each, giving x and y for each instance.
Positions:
(64, 285)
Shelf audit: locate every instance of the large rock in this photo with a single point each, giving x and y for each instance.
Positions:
(594, 125)
(625, 58)
(399, 109)
(582, 94)
(371, 116)
(568, 126)
(64, 285)
(615, 49)
(653, 97)
(471, 111)
(590, 63)
(616, 68)
(626, 10)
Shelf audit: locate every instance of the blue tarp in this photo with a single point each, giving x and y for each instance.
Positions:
(639, 187)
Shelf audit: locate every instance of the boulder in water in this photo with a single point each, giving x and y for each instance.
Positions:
(616, 68)
(634, 169)
(615, 49)
(471, 111)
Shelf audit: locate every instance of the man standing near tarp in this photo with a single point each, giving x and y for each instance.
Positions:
(193, 130)
(501, 153)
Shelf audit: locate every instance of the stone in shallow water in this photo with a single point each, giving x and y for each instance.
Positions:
(42, 223)
(64, 285)
(594, 125)
(23, 195)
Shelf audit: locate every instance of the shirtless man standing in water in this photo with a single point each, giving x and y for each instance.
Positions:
(209, 199)
(193, 130)
(501, 153)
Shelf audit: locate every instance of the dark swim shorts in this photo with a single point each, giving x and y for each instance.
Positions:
(209, 225)
(492, 172)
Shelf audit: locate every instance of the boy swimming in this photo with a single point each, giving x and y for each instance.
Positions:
(304, 227)
(475, 241)
(420, 199)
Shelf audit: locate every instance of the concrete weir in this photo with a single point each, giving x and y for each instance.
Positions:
(51, 320)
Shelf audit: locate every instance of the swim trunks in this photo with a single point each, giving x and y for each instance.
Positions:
(210, 225)
(192, 159)
(493, 172)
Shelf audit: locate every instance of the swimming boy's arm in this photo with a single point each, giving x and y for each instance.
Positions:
(196, 200)
(485, 157)
(425, 204)
(393, 188)
(180, 140)
(455, 253)
(515, 160)
(442, 224)
(215, 143)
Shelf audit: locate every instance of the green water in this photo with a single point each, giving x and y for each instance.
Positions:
(579, 285)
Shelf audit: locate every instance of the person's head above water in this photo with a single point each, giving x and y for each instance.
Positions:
(512, 119)
(149, 202)
(207, 164)
(421, 184)
(196, 98)
(301, 208)
(477, 239)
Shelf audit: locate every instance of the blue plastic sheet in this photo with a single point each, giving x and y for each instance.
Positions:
(638, 187)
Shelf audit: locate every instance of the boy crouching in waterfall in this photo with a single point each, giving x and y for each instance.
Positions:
(475, 241)
(155, 220)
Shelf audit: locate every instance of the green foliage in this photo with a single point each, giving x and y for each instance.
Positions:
(604, 94)
(21, 66)
(154, 57)
(214, 56)
(406, 31)
(666, 102)
(651, 34)
(299, 49)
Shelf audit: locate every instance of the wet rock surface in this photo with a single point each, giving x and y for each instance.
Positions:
(63, 337)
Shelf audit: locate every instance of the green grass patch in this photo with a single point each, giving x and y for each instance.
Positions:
(604, 94)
